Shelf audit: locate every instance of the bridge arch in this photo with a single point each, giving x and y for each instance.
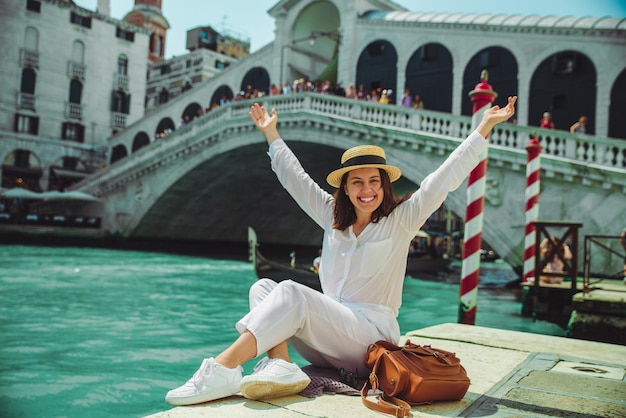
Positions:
(377, 66)
(141, 140)
(617, 109)
(551, 90)
(118, 152)
(222, 93)
(503, 70)
(257, 78)
(429, 74)
(193, 110)
(165, 124)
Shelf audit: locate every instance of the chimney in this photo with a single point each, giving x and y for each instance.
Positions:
(104, 7)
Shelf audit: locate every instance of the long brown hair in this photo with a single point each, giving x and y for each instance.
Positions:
(344, 212)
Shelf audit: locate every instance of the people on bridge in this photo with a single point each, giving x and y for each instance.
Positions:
(546, 121)
(580, 126)
(367, 230)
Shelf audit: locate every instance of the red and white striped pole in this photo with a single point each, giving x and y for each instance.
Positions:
(532, 207)
(482, 97)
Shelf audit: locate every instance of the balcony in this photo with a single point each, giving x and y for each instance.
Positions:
(74, 111)
(119, 120)
(29, 58)
(26, 101)
(77, 70)
(121, 82)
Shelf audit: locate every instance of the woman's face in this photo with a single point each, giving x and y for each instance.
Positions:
(365, 190)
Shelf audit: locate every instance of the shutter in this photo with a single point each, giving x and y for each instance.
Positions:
(113, 97)
(127, 105)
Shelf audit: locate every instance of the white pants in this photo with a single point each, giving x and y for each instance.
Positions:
(324, 331)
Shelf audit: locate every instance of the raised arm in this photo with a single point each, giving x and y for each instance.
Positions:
(495, 115)
(265, 122)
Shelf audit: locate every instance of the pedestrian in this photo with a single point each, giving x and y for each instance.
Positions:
(407, 99)
(417, 102)
(580, 126)
(367, 231)
(546, 121)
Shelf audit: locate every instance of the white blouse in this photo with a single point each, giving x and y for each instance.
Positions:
(369, 270)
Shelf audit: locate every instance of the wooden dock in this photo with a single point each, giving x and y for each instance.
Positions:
(595, 312)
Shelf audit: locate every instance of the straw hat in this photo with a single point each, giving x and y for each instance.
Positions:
(363, 156)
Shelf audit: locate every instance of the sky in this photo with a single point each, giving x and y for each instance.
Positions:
(249, 18)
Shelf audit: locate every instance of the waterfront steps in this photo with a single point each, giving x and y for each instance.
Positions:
(512, 373)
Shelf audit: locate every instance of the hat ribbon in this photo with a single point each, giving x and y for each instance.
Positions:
(363, 160)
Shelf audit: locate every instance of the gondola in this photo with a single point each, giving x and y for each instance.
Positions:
(417, 264)
(265, 268)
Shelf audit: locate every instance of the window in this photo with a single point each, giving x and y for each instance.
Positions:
(78, 52)
(83, 21)
(165, 69)
(164, 96)
(73, 132)
(152, 42)
(26, 124)
(564, 63)
(31, 39)
(33, 6)
(28, 81)
(120, 102)
(122, 64)
(159, 48)
(125, 34)
(76, 91)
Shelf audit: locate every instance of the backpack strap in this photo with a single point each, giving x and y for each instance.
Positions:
(386, 404)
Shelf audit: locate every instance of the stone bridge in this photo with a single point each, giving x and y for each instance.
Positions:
(209, 180)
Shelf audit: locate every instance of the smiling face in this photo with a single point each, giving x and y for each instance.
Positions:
(365, 191)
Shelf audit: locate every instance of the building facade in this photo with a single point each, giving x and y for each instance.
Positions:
(71, 79)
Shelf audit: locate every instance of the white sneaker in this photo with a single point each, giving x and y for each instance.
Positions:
(211, 381)
(273, 378)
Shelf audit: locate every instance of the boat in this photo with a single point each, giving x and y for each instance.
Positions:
(420, 263)
(278, 272)
(416, 263)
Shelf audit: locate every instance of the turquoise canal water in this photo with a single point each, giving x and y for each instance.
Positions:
(98, 333)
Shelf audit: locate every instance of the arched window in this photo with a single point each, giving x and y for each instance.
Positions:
(76, 91)
(122, 64)
(78, 52)
(152, 42)
(28, 81)
(31, 39)
(159, 49)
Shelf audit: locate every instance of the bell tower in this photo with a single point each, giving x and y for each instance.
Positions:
(147, 14)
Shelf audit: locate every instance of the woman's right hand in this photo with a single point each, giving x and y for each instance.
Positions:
(265, 122)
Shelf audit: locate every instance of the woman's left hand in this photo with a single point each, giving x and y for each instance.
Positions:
(495, 115)
(265, 122)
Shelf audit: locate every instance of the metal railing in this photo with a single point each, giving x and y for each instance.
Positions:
(26, 101)
(602, 258)
(29, 58)
(77, 70)
(74, 111)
